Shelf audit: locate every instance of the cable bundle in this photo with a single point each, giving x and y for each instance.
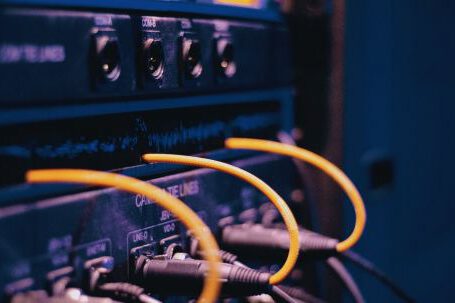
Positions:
(158, 275)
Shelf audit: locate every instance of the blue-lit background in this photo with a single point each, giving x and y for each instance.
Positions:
(400, 110)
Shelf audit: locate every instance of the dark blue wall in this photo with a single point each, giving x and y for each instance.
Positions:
(400, 106)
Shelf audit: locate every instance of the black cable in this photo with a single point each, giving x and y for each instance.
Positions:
(125, 292)
(369, 267)
(345, 277)
(280, 296)
(300, 294)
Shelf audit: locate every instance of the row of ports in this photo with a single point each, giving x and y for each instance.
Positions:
(80, 274)
(108, 63)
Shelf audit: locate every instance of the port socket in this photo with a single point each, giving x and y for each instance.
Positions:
(191, 51)
(107, 57)
(153, 58)
(226, 63)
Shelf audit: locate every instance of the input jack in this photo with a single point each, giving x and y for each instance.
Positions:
(191, 51)
(153, 58)
(226, 63)
(107, 57)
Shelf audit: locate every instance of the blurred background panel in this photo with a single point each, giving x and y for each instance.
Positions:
(399, 140)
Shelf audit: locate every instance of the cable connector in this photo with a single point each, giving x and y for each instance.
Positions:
(197, 253)
(311, 241)
(185, 277)
(260, 237)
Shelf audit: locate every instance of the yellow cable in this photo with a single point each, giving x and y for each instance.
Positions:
(162, 198)
(329, 168)
(279, 203)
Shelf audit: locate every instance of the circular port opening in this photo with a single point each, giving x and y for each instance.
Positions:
(192, 58)
(227, 66)
(154, 58)
(108, 58)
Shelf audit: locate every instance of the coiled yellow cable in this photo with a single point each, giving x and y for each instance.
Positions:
(279, 203)
(329, 168)
(178, 208)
